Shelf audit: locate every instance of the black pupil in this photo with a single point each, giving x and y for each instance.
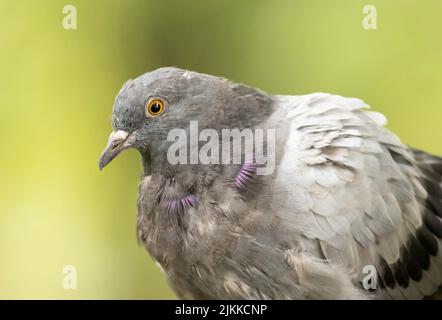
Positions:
(155, 108)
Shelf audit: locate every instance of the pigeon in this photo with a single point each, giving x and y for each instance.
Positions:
(341, 208)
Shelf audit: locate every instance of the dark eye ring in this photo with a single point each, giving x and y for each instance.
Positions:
(155, 107)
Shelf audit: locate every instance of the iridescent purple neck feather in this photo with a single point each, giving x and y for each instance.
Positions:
(178, 205)
(246, 174)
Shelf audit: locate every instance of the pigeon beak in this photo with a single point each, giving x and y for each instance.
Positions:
(118, 141)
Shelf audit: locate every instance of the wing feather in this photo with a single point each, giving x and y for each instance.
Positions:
(368, 194)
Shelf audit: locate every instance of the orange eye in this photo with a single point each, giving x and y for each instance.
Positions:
(155, 107)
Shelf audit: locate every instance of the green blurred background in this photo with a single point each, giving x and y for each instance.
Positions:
(57, 88)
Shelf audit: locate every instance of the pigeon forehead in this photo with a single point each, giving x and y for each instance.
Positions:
(128, 111)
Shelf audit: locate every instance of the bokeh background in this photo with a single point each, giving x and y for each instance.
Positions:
(57, 88)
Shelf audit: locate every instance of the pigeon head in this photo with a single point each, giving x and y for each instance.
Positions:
(147, 108)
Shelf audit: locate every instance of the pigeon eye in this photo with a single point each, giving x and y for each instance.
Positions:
(155, 107)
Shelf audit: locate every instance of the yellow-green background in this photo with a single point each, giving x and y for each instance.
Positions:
(57, 88)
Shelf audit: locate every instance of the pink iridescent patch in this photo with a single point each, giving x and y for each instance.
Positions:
(176, 205)
(246, 174)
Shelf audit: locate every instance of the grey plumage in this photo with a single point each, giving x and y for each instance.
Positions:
(345, 194)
